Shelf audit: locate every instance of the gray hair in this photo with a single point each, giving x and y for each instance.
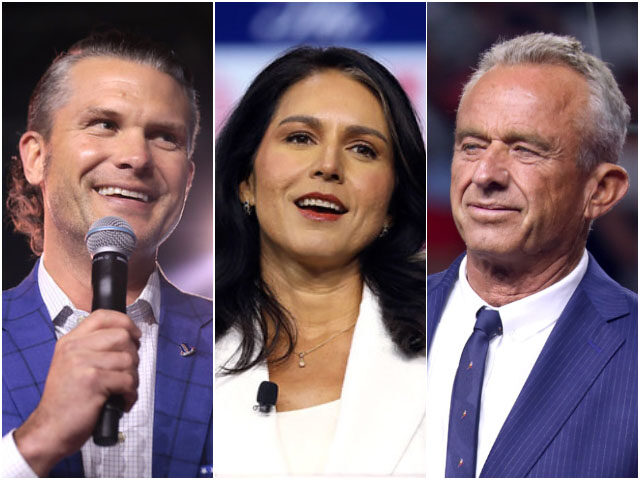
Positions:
(605, 124)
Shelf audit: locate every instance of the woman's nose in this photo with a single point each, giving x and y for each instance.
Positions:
(329, 165)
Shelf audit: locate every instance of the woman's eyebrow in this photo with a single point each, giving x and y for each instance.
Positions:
(362, 130)
(352, 129)
(307, 119)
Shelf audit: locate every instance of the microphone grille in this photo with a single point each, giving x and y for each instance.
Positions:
(267, 393)
(110, 234)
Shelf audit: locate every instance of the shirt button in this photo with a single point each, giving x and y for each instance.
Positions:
(120, 437)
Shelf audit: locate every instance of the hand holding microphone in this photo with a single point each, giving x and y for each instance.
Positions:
(110, 242)
(95, 361)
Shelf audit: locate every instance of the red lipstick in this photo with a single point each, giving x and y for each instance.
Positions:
(320, 207)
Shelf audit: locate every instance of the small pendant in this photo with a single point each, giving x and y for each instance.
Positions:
(301, 363)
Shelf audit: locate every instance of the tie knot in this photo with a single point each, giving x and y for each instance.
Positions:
(488, 321)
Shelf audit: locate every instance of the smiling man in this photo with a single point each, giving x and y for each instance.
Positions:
(532, 347)
(111, 131)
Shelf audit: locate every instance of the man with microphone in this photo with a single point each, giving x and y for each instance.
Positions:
(111, 131)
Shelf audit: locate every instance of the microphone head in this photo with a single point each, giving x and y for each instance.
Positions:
(267, 393)
(110, 234)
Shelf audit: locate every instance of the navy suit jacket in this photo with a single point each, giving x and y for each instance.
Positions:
(577, 414)
(182, 422)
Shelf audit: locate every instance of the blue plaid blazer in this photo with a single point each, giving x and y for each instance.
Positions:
(182, 425)
(577, 414)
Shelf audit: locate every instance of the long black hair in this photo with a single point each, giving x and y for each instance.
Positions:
(393, 266)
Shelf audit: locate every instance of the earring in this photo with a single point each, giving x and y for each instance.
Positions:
(384, 231)
(248, 208)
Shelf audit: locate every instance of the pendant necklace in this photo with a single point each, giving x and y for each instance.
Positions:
(301, 355)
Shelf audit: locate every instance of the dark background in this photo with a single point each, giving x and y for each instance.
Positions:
(456, 34)
(33, 34)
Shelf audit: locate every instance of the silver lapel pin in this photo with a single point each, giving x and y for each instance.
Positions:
(186, 350)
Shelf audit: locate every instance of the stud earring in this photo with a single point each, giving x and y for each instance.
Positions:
(248, 208)
(384, 231)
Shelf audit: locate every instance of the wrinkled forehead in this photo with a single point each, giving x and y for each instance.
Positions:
(547, 95)
(94, 80)
(94, 76)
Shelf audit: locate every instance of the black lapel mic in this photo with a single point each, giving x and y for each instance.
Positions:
(267, 397)
(110, 242)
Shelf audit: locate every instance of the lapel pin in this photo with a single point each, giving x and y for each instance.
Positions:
(186, 350)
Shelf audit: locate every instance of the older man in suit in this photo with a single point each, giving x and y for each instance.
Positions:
(111, 130)
(532, 347)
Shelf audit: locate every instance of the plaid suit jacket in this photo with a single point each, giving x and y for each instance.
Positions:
(182, 425)
(577, 413)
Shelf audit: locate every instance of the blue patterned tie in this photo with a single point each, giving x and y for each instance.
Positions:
(464, 415)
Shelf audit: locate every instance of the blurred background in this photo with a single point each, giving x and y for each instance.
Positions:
(33, 34)
(250, 35)
(457, 33)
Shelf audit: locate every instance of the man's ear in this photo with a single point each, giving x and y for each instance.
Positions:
(33, 154)
(247, 190)
(611, 184)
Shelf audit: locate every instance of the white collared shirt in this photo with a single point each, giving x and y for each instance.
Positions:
(132, 455)
(526, 324)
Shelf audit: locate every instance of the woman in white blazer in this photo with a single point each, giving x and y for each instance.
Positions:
(320, 273)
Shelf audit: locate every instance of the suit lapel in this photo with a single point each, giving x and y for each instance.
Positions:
(438, 288)
(581, 344)
(28, 343)
(26, 322)
(183, 390)
(238, 428)
(375, 424)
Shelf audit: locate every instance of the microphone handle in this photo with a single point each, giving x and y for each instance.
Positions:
(109, 283)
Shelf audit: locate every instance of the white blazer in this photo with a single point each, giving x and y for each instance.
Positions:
(381, 425)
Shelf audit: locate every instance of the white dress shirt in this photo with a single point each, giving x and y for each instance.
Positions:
(131, 456)
(526, 324)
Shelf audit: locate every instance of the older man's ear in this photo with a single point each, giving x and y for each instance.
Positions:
(611, 184)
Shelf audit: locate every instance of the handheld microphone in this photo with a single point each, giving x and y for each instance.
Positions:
(267, 397)
(110, 242)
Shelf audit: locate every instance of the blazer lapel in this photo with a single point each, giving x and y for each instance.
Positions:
(183, 390)
(579, 347)
(28, 354)
(238, 428)
(438, 289)
(377, 423)
(27, 348)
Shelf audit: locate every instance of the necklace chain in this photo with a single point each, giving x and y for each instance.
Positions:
(301, 355)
